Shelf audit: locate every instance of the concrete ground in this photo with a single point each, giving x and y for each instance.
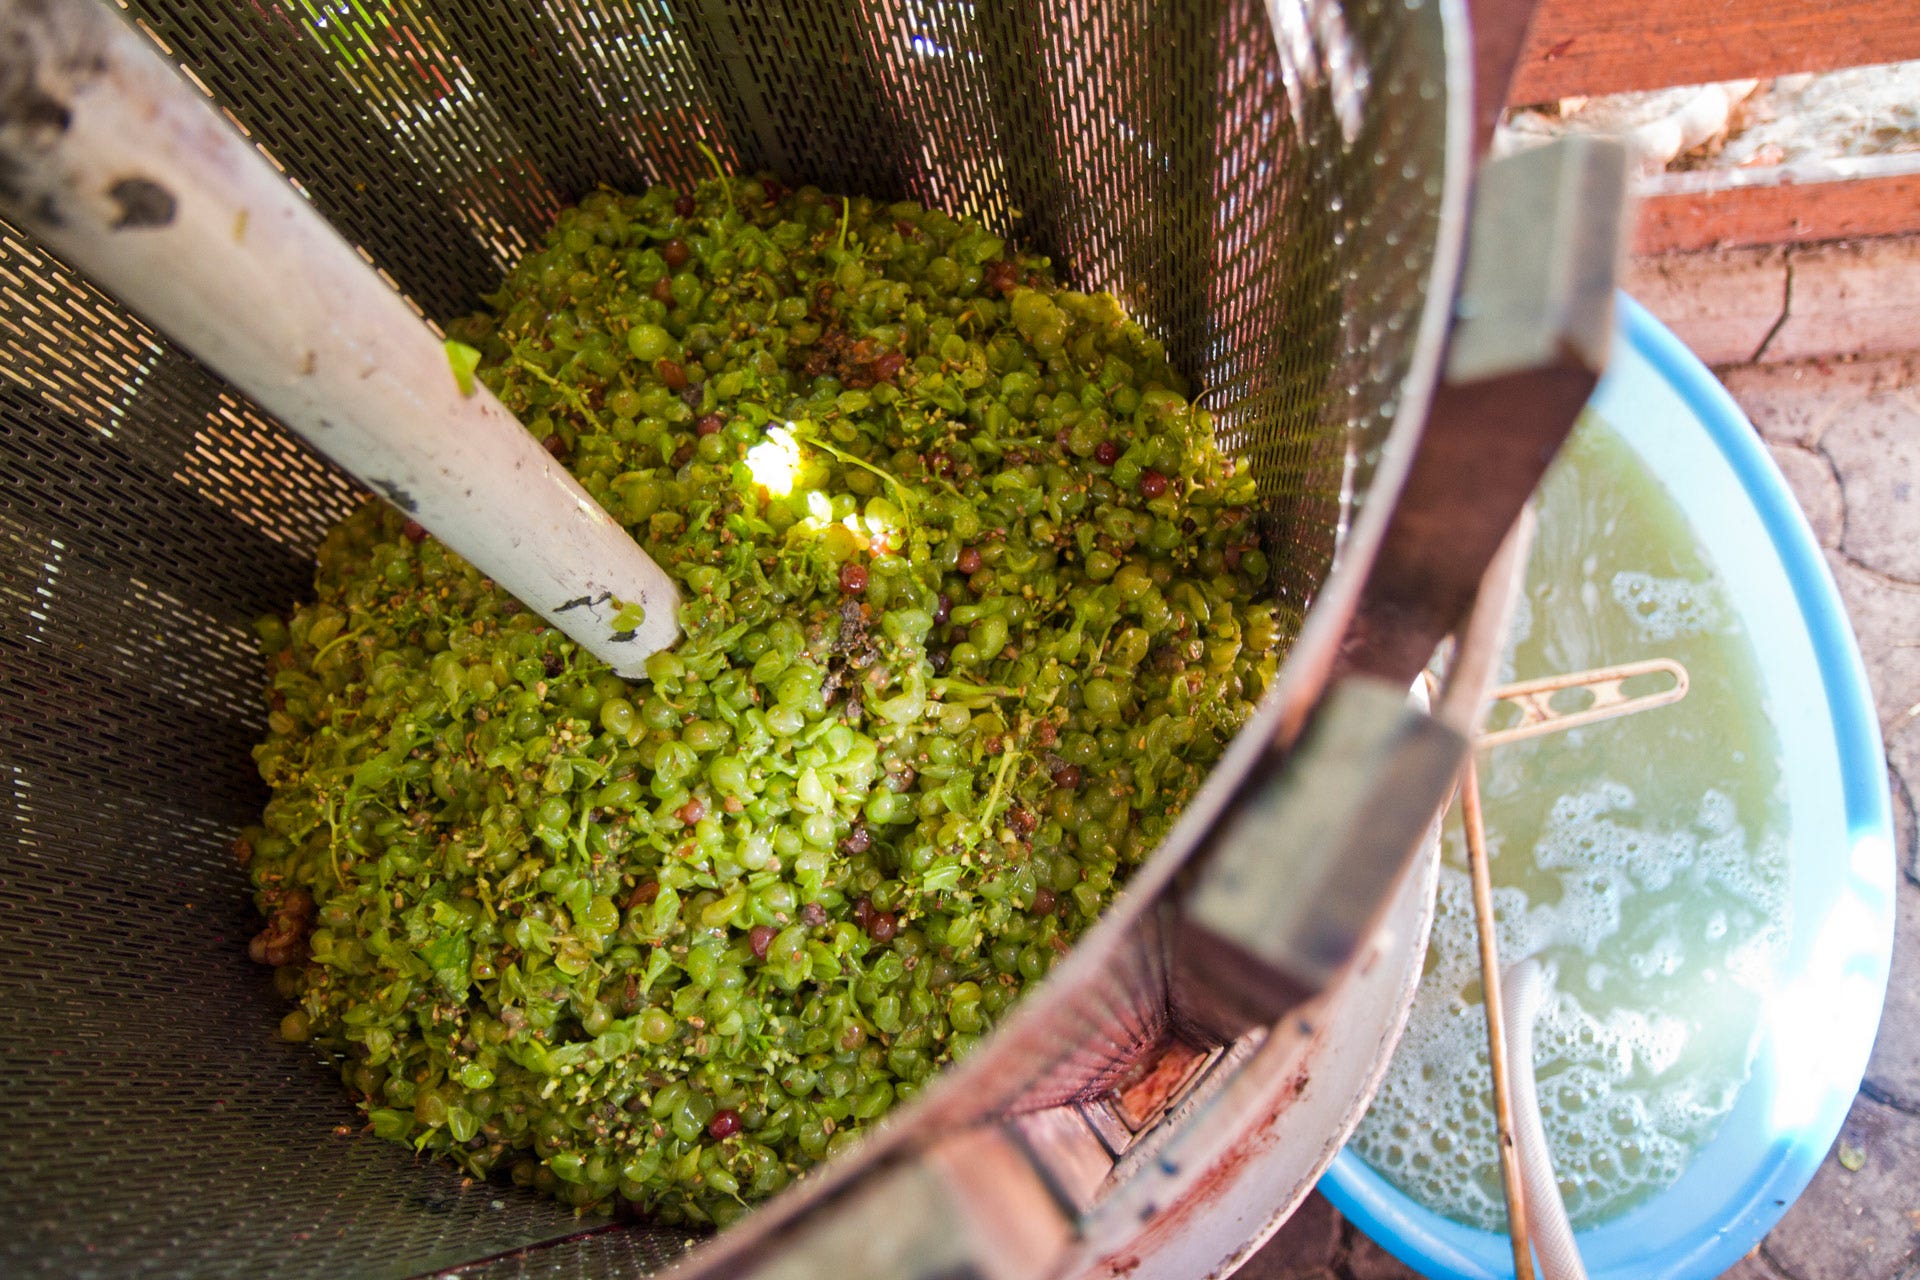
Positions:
(1821, 347)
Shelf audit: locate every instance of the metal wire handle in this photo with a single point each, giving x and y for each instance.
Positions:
(1538, 715)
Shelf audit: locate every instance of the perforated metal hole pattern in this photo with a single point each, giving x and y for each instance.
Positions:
(1269, 206)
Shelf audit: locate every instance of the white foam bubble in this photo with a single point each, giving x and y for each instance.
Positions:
(1717, 814)
(1657, 894)
(1623, 1101)
(1661, 958)
(1757, 876)
(1667, 608)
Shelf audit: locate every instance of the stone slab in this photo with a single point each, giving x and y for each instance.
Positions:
(1817, 489)
(1753, 1267)
(1893, 1073)
(1858, 298)
(1722, 305)
(1874, 447)
(1857, 1224)
(1830, 302)
(1885, 614)
(1306, 1247)
(1795, 403)
(1903, 771)
(1368, 1261)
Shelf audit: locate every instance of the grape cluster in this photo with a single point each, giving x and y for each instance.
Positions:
(971, 604)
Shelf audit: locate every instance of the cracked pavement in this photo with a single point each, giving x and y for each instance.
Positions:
(1846, 434)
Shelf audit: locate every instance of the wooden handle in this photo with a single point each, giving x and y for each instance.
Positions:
(113, 160)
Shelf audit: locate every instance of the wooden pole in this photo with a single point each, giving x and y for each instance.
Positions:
(1510, 1178)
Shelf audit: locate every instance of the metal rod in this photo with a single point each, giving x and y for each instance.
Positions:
(1511, 1180)
(113, 160)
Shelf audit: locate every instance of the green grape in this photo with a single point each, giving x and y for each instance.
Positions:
(972, 601)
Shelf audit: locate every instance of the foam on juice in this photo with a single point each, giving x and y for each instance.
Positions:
(1643, 859)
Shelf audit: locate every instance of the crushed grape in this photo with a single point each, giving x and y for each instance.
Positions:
(674, 941)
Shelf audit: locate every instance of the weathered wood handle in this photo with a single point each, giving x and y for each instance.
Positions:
(111, 158)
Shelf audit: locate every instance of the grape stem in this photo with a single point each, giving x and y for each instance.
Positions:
(726, 183)
(900, 490)
(999, 787)
(570, 394)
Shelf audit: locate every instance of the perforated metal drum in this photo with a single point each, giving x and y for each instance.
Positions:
(1276, 189)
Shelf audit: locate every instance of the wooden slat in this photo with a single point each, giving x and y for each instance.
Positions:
(1499, 43)
(1836, 200)
(1615, 46)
